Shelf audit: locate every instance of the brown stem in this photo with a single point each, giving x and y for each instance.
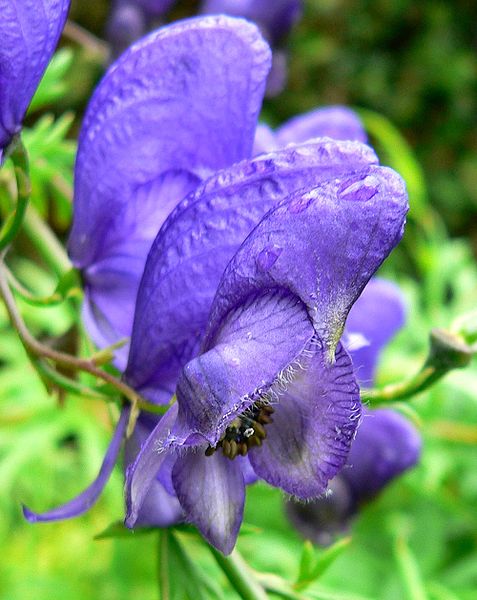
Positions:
(33, 346)
(85, 39)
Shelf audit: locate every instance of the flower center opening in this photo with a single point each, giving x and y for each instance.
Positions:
(245, 431)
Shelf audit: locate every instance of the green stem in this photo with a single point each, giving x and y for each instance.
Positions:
(35, 348)
(409, 570)
(447, 351)
(11, 227)
(75, 33)
(53, 299)
(46, 243)
(163, 565)
(239, 575)
(405, 389)
(68, 384)
(277, 586)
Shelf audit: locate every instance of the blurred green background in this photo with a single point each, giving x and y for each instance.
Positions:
(413, 63)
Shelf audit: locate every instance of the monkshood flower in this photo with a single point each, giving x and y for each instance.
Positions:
(188, 110)
(29, 33)
(243, 299)
(179, 105)
(263, 379)
(131, 19)
(275, 19)
(386, 444)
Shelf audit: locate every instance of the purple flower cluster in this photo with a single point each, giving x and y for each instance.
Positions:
(29, 33)
(231, 273)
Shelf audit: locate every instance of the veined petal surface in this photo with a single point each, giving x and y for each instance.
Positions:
(256, 342)
(197, 241)
(29, 30)
(178, 105)
(211, 491)
(314, 422)
(322, 245)
(184, 98)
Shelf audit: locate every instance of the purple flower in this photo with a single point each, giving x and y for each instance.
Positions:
(337, 122)
(275, 19)
(131, 19)
(29, 32)
(247, 285)
(179, 105)
(386, 444)
(261, 336)
(155, 8)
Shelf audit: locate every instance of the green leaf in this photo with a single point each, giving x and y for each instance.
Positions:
(306, 561)
(69, 286)
(409, 569)
(314, 564)
(401, 157)
(53, 85)
(117, 529)
(178, 576)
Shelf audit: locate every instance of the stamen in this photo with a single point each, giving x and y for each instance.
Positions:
(244, 432)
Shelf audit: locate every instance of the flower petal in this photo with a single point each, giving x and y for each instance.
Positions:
(160, 507)
(275, 18)
(255, 343)
(323, 519)
(86, 499)
(143, 472)
(211, 491)
(184, 98)
(314, 423)
(322, 245)
(386, 446)
(155, 7)
(180, 103)
(376, 316)
(29, 31)
(265, 140)
(337, 122)
(194, 246)
(111, 282)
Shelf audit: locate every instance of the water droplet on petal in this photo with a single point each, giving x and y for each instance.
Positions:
(268, 256)
(359, 190)
(301, 203)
